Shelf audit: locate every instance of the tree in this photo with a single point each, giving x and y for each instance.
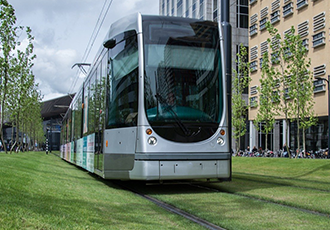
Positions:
(17, 80)
(289, 70)
(268, 98)
(8, 44)
(281, 74)
(241, 80)
(302, 87)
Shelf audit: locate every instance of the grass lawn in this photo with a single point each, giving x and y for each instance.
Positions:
(39, 191)
(298, 183)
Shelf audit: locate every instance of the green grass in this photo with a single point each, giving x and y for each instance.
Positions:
(39, 191)
(298, 183)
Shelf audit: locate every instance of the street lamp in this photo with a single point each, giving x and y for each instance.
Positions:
(327, 80)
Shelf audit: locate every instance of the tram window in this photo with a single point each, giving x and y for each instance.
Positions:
(92, 103)
(69, 126)
(85, 110)
(77, 116)
(180, 92)
(123, 101)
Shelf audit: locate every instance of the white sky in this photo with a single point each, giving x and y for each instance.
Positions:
(62, 30)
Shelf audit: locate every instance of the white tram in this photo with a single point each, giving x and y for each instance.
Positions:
(153, 106)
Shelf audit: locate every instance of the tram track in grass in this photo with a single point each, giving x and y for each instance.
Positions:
(281, 181)
(233, 209)
(262, 200)
(170, 208)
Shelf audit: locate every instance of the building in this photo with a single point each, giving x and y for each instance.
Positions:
(52, 112)
(210, 10)
(311, 20)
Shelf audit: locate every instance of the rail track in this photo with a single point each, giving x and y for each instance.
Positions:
(253, 190)
(263, 179)
(262, 200)
(132, 188)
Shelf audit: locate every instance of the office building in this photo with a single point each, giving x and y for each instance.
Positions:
(310, 19)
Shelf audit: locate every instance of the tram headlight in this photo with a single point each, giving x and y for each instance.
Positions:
(220, 141)
(152, 140)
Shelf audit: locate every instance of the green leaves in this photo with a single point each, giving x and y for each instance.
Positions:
(287, 81)
(240, 82)
(20, 100)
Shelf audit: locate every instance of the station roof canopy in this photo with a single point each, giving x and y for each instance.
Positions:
(56, 107)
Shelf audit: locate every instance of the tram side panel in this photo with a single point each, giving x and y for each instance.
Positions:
(119, 152)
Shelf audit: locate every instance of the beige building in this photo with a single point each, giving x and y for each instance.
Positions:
(311, 20)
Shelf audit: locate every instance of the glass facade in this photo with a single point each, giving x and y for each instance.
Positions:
(242, 15)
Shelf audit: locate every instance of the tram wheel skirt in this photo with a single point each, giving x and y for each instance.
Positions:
(177, 170)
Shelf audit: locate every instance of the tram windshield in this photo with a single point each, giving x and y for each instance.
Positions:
(183, 98)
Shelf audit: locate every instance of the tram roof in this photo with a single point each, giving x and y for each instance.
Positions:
(132, 21)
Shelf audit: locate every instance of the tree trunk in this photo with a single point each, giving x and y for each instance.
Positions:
(304, 142)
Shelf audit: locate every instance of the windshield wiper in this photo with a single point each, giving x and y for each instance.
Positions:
(169, 108)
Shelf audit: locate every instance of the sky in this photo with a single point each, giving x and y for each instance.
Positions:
(62, 30)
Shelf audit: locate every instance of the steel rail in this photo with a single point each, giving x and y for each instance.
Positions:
(263, 200)
(173, 209)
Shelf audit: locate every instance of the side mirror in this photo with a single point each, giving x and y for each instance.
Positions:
(109, 44)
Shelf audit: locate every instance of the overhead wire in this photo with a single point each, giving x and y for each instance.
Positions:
(92, 39)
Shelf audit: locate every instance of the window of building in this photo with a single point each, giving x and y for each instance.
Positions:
(319, 70)
(319, 39)
(179, 8)
(287, 9)
(260, 62)
(275, 17)
(319, 22)
(263, 48)
(254, 27)
(252, 1)
(254, 53)
(253, 90)
(275, 57)
(194, 9)
(303, 29)
(187, 9)
(264, 18)
(319, 85)
(201, 9)
(253, 66)
(253, 101)
(262, 23)
(301, 3)
(305, 43)
(242, 15)
(163, 7)
(215, 10)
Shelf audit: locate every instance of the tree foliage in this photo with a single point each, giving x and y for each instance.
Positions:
(241, 80)
(268, 98)
(20, 99)
(288, 76)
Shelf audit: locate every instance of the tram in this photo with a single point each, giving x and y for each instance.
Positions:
(153, 105)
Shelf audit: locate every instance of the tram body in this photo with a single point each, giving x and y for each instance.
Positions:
(153, 106)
